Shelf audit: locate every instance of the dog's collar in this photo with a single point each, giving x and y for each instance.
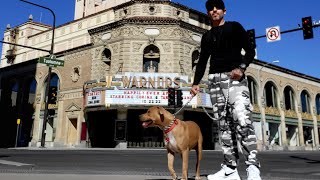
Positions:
(172, 124)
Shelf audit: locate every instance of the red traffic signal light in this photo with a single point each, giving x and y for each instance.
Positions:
(307, 27)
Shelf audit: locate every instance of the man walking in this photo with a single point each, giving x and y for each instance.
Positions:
(229, 91)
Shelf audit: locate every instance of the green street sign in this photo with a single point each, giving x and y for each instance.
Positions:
(51, 62)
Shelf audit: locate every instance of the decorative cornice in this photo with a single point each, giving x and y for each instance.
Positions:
(306, 116)
(272, 111)
(290, 113)
(256, 108)
(147, 21)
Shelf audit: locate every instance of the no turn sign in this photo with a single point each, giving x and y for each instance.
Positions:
(273, 34)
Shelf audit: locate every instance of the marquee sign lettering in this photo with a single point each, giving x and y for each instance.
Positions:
(151, 80)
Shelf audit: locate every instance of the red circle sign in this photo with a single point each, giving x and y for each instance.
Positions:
(273, 34)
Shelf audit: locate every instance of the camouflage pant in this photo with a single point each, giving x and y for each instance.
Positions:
(236, 127)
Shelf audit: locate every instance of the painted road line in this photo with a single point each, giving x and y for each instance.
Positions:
(13, 163)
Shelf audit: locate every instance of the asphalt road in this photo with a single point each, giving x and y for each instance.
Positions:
(96, 164)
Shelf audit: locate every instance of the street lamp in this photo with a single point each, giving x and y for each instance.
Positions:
(45, 116)
(260, 104)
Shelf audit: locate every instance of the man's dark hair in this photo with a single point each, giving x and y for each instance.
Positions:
(210, 4)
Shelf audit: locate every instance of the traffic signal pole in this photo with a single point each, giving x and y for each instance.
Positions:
(25, 46)
(45, 116)
(288, 31)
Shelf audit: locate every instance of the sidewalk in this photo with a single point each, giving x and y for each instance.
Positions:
(12, 176)
(9, 176)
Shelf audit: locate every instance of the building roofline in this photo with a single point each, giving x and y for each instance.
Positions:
(29, 22)
(287, 71)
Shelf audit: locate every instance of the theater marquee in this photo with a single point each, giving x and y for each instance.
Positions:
(145, 89)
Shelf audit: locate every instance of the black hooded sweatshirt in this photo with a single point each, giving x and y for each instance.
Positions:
(224, 44)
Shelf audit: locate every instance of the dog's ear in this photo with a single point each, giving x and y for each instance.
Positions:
(161, 113)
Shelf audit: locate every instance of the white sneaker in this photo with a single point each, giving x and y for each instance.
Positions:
(253, 173)
(225, 173)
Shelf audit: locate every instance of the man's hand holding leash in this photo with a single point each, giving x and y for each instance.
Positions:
(195, 90)
(237, 74)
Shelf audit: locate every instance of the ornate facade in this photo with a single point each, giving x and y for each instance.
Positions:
(119, 59)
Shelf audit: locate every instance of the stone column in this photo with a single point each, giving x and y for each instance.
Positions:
(300, 128)
(263, 124)
(60, 138)
(284, 142)
(315, 128)
(37, 122)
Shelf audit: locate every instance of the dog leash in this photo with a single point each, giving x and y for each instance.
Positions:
(182, 107)
(223, 113)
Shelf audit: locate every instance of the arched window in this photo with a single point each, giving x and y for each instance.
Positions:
(106, 56)
(289, 98)
(305, 102)
(32, 91)
(151, 59)
(318, 104)
(253, 90)
(14, 94)
(270, 94)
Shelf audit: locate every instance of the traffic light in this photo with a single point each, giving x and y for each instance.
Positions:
(51, 113)
(52, 96)
(252, 37)
(179, 98)
(171, 97)
(307, 27)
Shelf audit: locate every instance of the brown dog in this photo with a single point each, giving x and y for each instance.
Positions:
(179, 137)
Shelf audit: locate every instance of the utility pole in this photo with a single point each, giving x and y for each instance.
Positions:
(45, 116)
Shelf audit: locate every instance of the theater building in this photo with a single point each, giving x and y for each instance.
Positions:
(119, 58)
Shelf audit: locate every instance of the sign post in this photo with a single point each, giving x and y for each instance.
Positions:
(18, 132)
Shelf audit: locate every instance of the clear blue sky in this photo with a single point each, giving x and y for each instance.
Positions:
(292, 51)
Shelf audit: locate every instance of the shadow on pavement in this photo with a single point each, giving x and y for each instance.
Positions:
(311, 161)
